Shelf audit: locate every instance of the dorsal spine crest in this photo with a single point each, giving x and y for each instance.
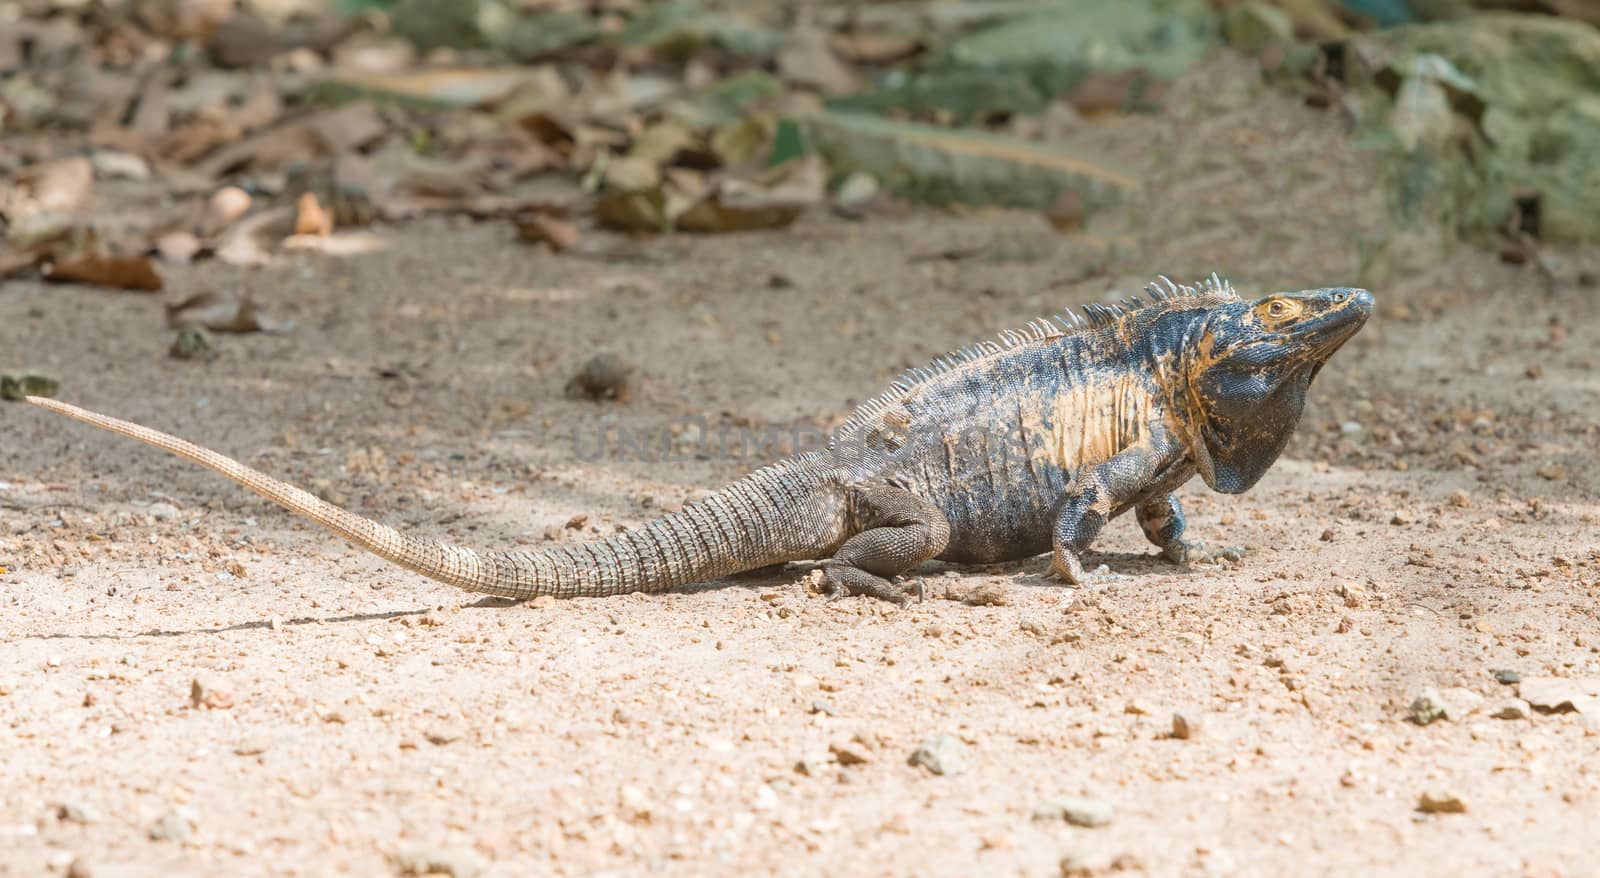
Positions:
(1163, 294)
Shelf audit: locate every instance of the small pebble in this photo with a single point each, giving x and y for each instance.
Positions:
(988, 594)
(77, 812)
(442, 734)
(1186, 724)
(1507, 677)
(850, 752)
(1077, 811)
(210, 691)
(602, 377)
(1441, 802)
(636, 804)
(944, 755)
(1514, 708)
(456, 863)
(171, 827)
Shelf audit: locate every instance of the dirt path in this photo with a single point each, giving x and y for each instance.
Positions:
(1435, 521)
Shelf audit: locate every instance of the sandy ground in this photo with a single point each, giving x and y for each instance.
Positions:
(1434, 521)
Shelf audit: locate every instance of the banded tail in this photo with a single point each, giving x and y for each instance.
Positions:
(784, 512)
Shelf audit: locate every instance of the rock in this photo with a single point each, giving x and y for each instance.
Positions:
(1186, 724)
(1084, 812)
(1421, 115)
(944, 755)
(1514, 708)
(1460, 703)
(77, 812)
(1507, 677)
(191, 343)
(604, 376)
(1253, 27)
(851, 752)
(210, 691)
(455, 862)
(15, 386)
(1426, 707)
(1140, 707)
(636, 804)
(809, 766)
(179, 248)
(171, 827)
(857, 189)
(1559, 694)
(987, 594)
(163, 511)
(1441, 802)
(225, 205)
(1454, 704)
(442, 734)
(253, 745)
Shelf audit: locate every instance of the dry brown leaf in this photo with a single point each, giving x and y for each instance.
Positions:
(868, 47)
(351, 126)
(370, 54)
(60, 186)
(806, 60)
(153, 118)
(184, 19)
(10, 49)
(249, 241)
(244, 40)
(261, 107)
(227, 311)
(121, 272)
(540, 228)
(310, 218)
(774, 201)
(458, 87)
(319, 135)
(188, 142)
(15, 261)
(346, 244)
(1108, 92)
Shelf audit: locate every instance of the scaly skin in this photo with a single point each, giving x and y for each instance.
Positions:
(995, 453)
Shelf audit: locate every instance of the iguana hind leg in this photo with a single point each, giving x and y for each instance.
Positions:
(1079, 520)
(899, 531)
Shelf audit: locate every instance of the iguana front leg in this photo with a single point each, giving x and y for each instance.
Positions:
(1161, 519)
(1096, 495)
(899, 531)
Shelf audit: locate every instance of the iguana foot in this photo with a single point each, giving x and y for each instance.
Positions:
(1186, 552)
(1072, 573)
(841, 582)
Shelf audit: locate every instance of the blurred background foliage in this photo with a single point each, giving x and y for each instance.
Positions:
(267, 123)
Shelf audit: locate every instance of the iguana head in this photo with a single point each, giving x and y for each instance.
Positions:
(1247, 374)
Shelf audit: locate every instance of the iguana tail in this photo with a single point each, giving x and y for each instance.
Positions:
(784, 512)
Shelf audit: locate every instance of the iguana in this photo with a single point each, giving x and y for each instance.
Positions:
(997, 452)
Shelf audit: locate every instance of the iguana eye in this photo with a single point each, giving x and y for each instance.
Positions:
(1277, 308)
